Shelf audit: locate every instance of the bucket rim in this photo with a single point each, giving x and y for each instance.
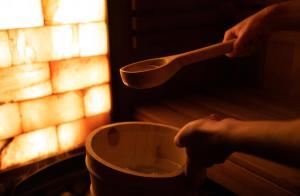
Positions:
(92, 153)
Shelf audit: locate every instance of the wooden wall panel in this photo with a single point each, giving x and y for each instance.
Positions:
(281, 63)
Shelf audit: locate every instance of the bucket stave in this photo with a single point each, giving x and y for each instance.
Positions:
(135, 158)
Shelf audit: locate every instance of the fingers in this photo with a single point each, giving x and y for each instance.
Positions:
(182, 138)
(231, 34)
(187, 134)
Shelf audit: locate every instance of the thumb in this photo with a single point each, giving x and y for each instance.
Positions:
(183, 137)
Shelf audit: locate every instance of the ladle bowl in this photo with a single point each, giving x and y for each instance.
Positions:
(153, 72)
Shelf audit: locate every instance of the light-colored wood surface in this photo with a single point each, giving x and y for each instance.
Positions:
(281, 63)
(153, 72)
(134, 147)
(245, 174)
(136, 157)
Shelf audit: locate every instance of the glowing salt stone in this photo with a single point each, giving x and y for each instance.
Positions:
(78, 73)
(16, 82)
(30, 147)
(3, 143)
(10, 122)
(5, 56)
(64, 42)
(31, 92)
(31, 45)
(43, 44)
(97, 100)
(51, 110)
(66, 11)
(92, 39)
(72, 135)
(20, 14)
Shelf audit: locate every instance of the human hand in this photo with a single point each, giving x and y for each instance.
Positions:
(205, 141)
(205, 145)
(249, 33)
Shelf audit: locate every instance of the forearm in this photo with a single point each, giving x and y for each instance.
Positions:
(278, 141)
(285, 15)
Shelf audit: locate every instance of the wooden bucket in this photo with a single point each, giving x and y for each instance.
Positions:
(135, 158)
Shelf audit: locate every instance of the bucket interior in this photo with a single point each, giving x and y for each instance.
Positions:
(139, 148)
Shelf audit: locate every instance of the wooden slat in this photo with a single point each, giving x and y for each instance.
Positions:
(162, 115)
(176, 38)
(145, 5)
(286, 177)
(253, 101)
(198, 19)
(188, 109)
(243, 182)
(233, 176)
(179, 111)
(280, 174)
(226, 108)
(292, 104)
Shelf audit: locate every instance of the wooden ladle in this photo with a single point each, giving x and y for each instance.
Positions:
(153, 72)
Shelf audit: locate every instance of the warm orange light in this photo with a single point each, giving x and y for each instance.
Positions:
(72, 135)
(54, 78)
(79, 73)
(52, 110)
(5, 56)
(30, 146)
(35, 91)
(20, 14)
(97, 100)
(64, 44)
(43, 44)
(30, 45)
(92, 39)
(10, 123)
(73, 11)
(16, 81)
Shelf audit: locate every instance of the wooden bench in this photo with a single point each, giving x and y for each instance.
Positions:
(241, 173)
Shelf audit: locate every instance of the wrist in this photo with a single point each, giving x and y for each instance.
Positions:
(266, 17)
(274, 15)
(229, 136)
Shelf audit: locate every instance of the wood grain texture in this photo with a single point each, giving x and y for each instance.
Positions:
(139, 158)
(245, 171)
(154, 72)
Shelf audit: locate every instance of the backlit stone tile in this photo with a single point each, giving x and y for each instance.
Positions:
(51, 110)
(10, 123)
(73, 134)
(73, 11)
(5, 56)
(64, 42)
(92, 39)
(29, 147)
(31, 92)
(78, 73)
(20, 14)
(97, 100)
(43, 44)
(16, 82)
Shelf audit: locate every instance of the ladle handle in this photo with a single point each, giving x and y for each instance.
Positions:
(205, 53)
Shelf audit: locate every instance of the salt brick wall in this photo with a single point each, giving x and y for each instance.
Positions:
(54, 76)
